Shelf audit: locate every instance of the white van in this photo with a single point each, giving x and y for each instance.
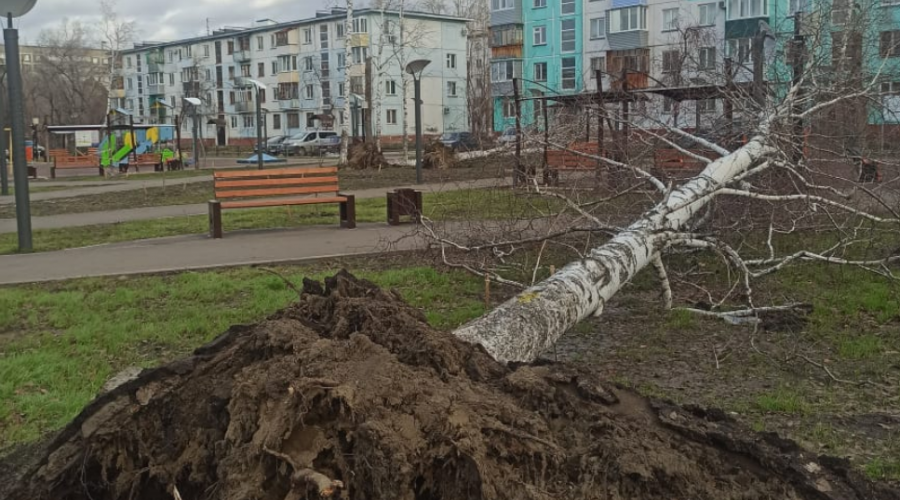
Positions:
(312, 143)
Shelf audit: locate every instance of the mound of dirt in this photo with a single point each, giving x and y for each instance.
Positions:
(350, 393)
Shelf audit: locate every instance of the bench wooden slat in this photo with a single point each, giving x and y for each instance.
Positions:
(250, 193)
(274, 172)
(276, 182)
(276, 203)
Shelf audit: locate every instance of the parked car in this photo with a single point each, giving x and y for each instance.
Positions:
(508, 136)
(276, 144)
(460, 141)
(268, 143)
(310, 143)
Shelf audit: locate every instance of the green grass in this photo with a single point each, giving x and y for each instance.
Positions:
(680, 319)
(60, 342)
(448, 205)
(883, 469)
(782, 400)
(861, 347)
(177, 174)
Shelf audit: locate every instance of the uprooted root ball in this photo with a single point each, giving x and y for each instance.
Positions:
(350, 394)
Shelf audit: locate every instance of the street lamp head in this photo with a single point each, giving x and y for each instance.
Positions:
(416, 67)
(16, 8)
(256, 83)
(193, 101)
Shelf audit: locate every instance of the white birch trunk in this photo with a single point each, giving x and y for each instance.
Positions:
(404, 99)
(348, 94)
(527, 325)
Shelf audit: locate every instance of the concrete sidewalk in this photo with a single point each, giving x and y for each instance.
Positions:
(149, 213)
(98, 188)
(200, 252)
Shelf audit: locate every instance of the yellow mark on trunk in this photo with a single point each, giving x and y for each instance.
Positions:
(525, 298)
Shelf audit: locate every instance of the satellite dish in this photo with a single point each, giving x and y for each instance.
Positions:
(16, 8)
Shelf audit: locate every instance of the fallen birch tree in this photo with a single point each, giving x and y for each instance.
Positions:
(527, 325)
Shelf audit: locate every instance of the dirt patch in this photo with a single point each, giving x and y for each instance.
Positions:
(351, 385)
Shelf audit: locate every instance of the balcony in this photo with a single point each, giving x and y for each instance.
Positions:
(288, 77)
(242, 82)
(289, 103)
(191, 89)
(359, 40)
(157, 89)
(244, 107)
(242, 56)
(117, 93)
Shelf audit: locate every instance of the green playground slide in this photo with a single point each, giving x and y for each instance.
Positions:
(121, 154)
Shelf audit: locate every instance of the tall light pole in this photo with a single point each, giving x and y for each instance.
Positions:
(415, 68)
(195, 105)
(11, 9)
(259, 135)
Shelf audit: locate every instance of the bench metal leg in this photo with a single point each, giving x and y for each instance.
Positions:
(215, 219)
(348, 212)
(393, 215)
(53, 172)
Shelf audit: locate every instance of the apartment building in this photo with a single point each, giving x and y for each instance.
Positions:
(307, 75)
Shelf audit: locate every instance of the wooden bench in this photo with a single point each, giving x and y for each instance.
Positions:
(143, 160)
(565, 159)
(674, 162)
(65, 162)
(278, 187)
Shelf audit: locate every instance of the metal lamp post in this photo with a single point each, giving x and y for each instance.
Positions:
(11, 9)
(259, 135)
(195, 105)
(415, 68)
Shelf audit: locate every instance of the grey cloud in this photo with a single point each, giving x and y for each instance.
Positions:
(167, 19)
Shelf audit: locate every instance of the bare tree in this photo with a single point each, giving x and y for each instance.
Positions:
(803, 176)
(117, 34)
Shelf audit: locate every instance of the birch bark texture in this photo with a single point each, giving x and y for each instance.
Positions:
(525, 326)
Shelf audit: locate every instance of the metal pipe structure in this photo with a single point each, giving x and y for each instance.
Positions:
(415, 68)
(17, 148)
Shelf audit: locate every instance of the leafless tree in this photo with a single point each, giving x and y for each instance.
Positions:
(792, 176)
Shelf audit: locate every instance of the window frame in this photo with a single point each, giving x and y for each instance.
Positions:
(540, 76)
(563, 72)
(542, 29)
(562, 36)
(600, 23)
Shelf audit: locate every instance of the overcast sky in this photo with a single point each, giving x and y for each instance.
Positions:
(168, 19)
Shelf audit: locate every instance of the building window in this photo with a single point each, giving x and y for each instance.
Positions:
(507, 35)
(540, 3)
(739, 50)
(540, 72)
(741, 9)
(274, 67)
(502, 5)
(390, 87)
(451, 61)
(171, 79)
(630, 19)
(260, 43)
(262, 96)
(708, 13)
(260, 70)
(505, 71)
(323, 36)
(671, 61)
(567, 7)
(567, 33)
(339, 30)
(130, 84)
(597, 64)
(342, 60)
(391, 116)
(670, 19)
(540, 35)
(568, 73)
(707, 58)
(307, 36)
(276, 122)
(707, 105)
(248, 121)
(245, 70)
(341, 89)
(309, 92)
(451, 89)
(890, 43)
(890, 88)
(509, 108)
(360, 54)
(308, 63)
(598, 28)
(360, 25)
(234, 122)
(668, 104)
(293, 120)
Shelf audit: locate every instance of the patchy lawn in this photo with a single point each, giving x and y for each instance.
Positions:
(60, 342)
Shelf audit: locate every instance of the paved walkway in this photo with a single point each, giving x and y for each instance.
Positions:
(149, 213)
(200, 252)
(106, 187)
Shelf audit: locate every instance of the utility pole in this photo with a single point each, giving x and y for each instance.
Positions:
(519, 176)
(757, 51)
(17, 117)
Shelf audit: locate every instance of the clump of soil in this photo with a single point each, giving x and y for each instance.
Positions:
(349, 392)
